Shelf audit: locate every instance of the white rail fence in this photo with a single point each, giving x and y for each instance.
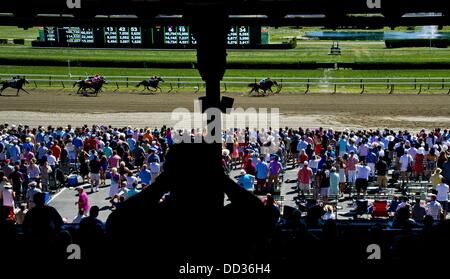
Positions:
(301, 84)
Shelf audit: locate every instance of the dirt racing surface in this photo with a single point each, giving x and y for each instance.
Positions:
(406, 111)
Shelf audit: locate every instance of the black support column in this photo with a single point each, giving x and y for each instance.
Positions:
(209, 28)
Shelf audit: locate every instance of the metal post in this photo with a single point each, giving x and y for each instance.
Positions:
(50, 81)
(127, 82)
(198, 88)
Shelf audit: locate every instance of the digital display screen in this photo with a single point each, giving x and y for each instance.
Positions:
(122, 35)
(177, 35)
(164, 36)
(75, 35)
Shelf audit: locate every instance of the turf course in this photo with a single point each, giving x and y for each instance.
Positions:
(360, 52)
(253, 73)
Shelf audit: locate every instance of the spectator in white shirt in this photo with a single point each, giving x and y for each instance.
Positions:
(155, 169)
(442, 195)
(8, 199)
(405, 167)
(434, 208)
(51, 160)
(362, 177)
(131, 179)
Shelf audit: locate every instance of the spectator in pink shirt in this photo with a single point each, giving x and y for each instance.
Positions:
(351, 167)
(83, 201)
(114, 160)
(304, 176)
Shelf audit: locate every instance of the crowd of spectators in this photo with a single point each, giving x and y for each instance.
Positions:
(329, 163)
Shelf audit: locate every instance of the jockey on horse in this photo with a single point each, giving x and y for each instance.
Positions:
(94, 79)
(13, 81)
(264, 81)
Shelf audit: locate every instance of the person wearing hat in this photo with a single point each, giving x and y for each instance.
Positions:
(436, 178)
(152, 156)
(8, 200)
(155, 168)
(32, 190)
(246, 181)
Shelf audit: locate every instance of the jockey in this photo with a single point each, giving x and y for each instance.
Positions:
(94, 79)
(263, 81)
(13, 80)
(153, 78)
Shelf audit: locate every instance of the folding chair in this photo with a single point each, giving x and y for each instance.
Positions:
(380, 209)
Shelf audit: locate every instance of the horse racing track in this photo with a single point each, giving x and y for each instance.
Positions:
(371, 110)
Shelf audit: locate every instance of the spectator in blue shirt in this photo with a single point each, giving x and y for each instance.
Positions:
(342, 146)
(131, 191)
(371, 160)
(262, 172)
(14, 152)
(145, 176)
(78, 142)
(246, 181)
(131, 142)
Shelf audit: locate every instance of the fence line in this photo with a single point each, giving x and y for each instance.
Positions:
(419, 83)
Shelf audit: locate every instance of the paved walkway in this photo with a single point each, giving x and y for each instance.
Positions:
(64, 200)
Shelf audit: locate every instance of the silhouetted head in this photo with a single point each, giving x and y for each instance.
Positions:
(39, 199)
(194, 173)
(93, 212)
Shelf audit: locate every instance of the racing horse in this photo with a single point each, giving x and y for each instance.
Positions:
(151, 82)
(17, 83)
(94, 84)
(265, 86)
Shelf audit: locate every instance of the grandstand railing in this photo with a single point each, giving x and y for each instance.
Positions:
(300, 84)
